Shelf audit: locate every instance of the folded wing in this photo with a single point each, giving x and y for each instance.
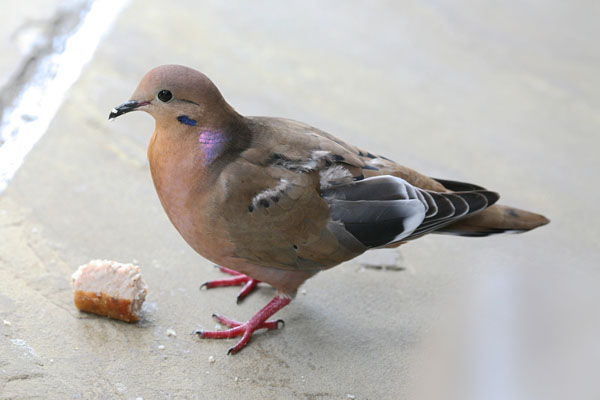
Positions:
(384, 210)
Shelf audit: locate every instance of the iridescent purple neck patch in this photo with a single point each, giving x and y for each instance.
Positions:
(213, 144)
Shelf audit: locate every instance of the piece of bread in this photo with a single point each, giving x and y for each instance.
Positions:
(110, 288)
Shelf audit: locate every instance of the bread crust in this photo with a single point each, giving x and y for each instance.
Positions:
(102, 304)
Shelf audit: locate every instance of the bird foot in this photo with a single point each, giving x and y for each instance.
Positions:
(246, 329)
(237, 279)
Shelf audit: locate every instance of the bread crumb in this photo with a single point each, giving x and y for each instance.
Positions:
(211, 359)
(161, 347)
(351, 396)
(236, 379)
(171, 332)
(110, 288)
(302, 291)
(6, 323)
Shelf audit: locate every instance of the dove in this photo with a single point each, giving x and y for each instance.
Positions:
(275, 200)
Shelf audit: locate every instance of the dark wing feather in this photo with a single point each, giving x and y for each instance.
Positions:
(376, 223)
(384, 210)
(444, 205)
(377, 210)
(432, 207)
(457, 186)
(383, 187)
(476, 201)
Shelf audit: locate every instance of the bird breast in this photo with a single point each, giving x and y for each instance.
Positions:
(179, 176)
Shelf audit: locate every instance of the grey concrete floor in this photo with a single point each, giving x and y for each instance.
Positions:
(23, 28)
(502, 95)
(32, 31)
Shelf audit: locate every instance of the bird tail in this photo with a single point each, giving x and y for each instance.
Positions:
(496, 219)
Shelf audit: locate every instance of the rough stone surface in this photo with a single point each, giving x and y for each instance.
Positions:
(502, 95)
(30, 31)
(22, 29)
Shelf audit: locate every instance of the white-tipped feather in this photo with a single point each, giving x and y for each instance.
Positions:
(268, 194)
(333, 176)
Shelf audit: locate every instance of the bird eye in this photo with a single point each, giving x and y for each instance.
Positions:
(164, 96)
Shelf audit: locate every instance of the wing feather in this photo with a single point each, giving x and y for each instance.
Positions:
(384, 210)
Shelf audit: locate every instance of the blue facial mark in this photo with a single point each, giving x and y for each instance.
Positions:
(184, 119)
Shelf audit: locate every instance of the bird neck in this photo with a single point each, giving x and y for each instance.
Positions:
(201, 149)
(213, 143)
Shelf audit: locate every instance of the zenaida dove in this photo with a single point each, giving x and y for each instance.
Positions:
(275, 200)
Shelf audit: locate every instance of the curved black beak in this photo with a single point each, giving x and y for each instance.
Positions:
(124, 108)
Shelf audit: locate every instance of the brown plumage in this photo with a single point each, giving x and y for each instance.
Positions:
(278, 200)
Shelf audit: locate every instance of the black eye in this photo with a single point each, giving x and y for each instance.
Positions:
(165, 95)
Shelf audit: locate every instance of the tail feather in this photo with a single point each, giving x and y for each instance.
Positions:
(496, 219)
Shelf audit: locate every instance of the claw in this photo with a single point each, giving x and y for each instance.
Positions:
(246, 290)
(246, 329)
(226, 321)
(237, 279)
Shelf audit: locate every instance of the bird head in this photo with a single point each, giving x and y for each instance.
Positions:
(174, 93)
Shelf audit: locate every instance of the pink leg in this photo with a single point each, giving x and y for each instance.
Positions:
(246, 329)
(238, 279)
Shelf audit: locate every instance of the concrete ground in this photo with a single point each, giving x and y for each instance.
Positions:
(506, 96)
